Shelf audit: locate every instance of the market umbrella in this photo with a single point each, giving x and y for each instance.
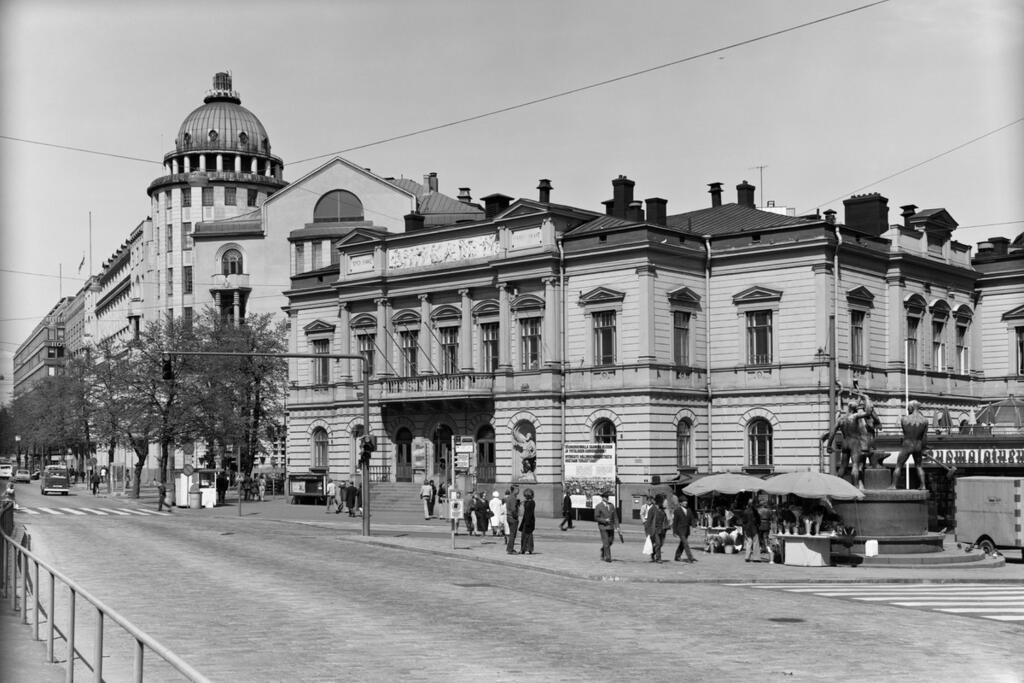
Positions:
(724, 482)
(1008, 412)
(812, 485)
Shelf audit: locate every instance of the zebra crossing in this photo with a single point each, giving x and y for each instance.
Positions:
(90, 511)
(995, 601)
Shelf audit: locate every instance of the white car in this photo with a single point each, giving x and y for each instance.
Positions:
(23, 477)
(6, 471)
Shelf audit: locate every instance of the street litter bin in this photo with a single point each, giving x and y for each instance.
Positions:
(195, 499)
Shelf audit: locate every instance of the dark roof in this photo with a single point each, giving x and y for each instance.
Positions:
(438, 208)
(729, 218)
(599, 224)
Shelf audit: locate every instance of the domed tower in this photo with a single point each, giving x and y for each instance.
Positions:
(221, 169)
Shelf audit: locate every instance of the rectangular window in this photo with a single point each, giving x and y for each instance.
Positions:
(318, 255)
(529, 343)
(186, 197)
(938, 346)
(857, 337)
(409, 341)
(251, 200)
(156, 238)
(186, 237)
(604, 338)
(167, 200)
(366, 349)
(449, 350)
(1020, 350)
(681, 338)
(913, 362)
(759, 337)
(963, 361)
(489, 346)
(186, 280)
(207, 196)
(170, 282)
(321, 366)
(229, 196)
(186, 315)
(170, 238)
(300, 257)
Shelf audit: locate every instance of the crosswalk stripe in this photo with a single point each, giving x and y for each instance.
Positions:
(1007, 617)
(973, 610)
(134, 512)
(962, 603)
(51, 512)
(95, 511)
(116, 512)
(72, 511)
(27, 510)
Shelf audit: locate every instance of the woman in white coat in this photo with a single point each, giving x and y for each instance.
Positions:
(497, 514)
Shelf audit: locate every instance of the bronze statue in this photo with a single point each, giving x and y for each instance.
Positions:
(853, 437)
(915, 443)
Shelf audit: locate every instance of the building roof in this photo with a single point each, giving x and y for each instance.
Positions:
(222, 123)
(599, 224)
(730, 218)
(438, 208)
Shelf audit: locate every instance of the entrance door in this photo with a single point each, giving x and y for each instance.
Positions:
(403, 455)
(486, 472)
(442, 451)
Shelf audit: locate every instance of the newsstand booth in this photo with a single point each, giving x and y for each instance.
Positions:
(307, 487)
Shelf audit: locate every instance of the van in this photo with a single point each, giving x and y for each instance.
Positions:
(54, 479)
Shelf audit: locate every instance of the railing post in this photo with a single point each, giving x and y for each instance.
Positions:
(13, 572)
(97, 653)
(137, 662)
(70, 637)
(49, 621)
(24, 588)
(35, 601)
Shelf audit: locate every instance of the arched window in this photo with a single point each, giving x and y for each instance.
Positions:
(604, 431)
(759, 436)
(320, 443)
(338, 205)
(684, 445)
(486, 470)
(231, 262)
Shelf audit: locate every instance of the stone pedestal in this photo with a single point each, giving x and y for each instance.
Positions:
(877, 478)
(897, 519)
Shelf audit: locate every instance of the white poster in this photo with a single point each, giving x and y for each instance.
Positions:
(588, 469)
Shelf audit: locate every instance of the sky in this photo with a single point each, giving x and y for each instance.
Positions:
(919, 100)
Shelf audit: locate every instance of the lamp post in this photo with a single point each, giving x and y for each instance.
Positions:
(17, 440)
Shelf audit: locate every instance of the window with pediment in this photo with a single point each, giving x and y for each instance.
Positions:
(684, 304)
(757, 307)
(603, 305)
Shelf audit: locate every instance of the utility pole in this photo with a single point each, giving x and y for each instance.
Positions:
(760, 182)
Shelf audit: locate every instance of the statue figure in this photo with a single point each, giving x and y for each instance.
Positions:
(853, 437)
(526, 447)
(868, 427)
(915, 443)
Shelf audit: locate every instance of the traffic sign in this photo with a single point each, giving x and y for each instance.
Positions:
(187, 470)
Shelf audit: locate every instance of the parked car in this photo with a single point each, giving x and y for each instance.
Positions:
(6, 471)
(22, 476)
(35, 473)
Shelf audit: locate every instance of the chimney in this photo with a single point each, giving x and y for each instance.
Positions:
(830, 216)
(635, 211)
(495, 204)
(745, 194)
(430, 182)
(464, 195)
(609, 206)
(545, 191)
(868, 213)
(908, 213)
(716, 194)
(656, 212)
(622, 192)
(414, 222)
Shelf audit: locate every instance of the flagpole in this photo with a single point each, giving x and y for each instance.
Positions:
(90, 243)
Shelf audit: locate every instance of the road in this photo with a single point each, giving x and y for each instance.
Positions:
(260, 599)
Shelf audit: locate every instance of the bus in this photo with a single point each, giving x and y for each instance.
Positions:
(54, 479)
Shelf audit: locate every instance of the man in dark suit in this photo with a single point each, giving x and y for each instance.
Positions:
(681, 523)
(656, 527)
(604, 515)
(566, 512)
(512, 518)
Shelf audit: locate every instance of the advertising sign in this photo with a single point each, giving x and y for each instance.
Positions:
(588, 469)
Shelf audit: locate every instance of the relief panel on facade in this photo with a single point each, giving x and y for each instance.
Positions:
(448, 251)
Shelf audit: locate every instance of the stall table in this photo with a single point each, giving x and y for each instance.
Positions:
(805, 550)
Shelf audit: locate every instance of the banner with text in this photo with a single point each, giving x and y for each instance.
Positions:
(588, 469)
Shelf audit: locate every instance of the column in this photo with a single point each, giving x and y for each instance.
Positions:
(202, 162)
(426, 356)
(466, 332)
(254, 166)
(220, 162)
(552, 348)
(505, 331)
(188, 165)
(236, 307)
(822, 304)
(645, 286)
(345, 342)
(238, 163)
(383, 360)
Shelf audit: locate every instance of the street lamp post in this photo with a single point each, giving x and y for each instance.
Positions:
(17, 440)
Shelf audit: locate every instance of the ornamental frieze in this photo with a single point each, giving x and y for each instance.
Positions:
(448, 251)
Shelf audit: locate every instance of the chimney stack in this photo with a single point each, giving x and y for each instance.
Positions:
(635, 211)
(464, 196)
(414, 222)
(545, 191)
(430, 182)
(908, 213)
(1000, 245)
(609, 206)
(716, 194)
(622, 193)
(868, 213)
(830, 216)
(495, 204)
(745, 194)
(656, 212)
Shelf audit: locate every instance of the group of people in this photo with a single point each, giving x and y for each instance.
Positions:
(506, 516)
(344, 495)
(661, 514)
(432, 496)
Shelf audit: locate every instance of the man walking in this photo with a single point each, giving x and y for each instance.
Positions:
(656, 526)
(427, 496)
(161, 492)
(681, 523)
(222, 487)
(751, 531)
(511, 518)
(566, 512)
(330, 491)
(604, 515)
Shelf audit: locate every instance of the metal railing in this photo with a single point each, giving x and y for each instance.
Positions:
(19, 582)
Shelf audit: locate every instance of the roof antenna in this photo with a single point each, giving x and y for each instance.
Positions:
(760, 169)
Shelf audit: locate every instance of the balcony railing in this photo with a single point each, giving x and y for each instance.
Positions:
(437, 385)
(220, 281)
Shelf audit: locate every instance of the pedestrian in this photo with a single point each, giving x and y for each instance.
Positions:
(442, 501)
(427, 496)
(161, 492)
(468, 513)
(340, 495)
(566, 512)
(222, 487)
(645, 508)
(94, 481)
(329, 491)
(351, 498)
(497, 514)
(604, 515)
(656, 527)
(262, 483)
(751, 528)
(528, 523)
(511, 518)
(681, 523)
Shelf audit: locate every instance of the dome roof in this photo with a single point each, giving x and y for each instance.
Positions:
(222, 123)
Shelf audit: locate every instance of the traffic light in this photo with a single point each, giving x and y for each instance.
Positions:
(168, 370)
(367, 445)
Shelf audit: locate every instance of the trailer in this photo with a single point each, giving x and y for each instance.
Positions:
(990, 513)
